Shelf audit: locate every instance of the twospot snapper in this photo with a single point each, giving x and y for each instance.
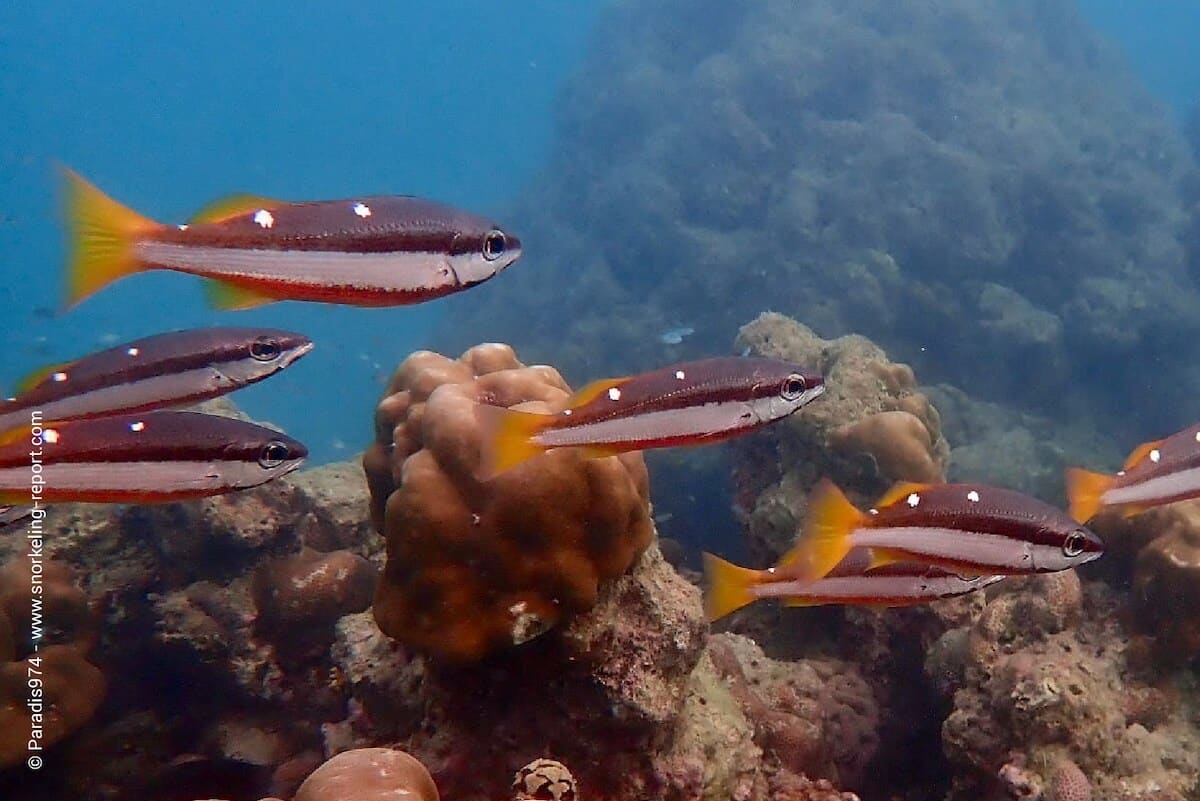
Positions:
(692, 403)
(154, 457)
(364, 251)
(174, 369)
(852, 581)
(1155, 473)
(968, 529)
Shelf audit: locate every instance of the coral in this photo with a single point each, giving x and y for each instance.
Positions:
(1166, 583)
(872, 428)
(1042, 698)
(544, 780)
(971, 183)
(817, 718)
(369, 774)
(473, 567)
(71, 687)
(54, 658)
(898, 442)
(306, 593)
(603, 692)
(1068, 783)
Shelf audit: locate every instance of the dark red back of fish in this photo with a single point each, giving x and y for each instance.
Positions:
(999, 511)
(394, 223)
(716, 380)
(1178, 452)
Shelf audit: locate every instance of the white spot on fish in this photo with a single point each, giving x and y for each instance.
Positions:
(264, 218)
(50, 435)
(182, 226)
(362, 209)
(567, 412)
(59, 376)
(872, 511)
(1198, 436)
(1120, 472)
(913, 499)
(133, 352)
(614, 393)
(1155, 455)
(138, 426)
(679, 374)
(973, 496)
(770, 570)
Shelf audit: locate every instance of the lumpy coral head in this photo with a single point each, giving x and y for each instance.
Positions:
(475, 567)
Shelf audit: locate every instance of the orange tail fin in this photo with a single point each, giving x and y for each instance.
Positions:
(102, 235)
(825, 540)
(1084, 492)
(730, 587)
(506, 438)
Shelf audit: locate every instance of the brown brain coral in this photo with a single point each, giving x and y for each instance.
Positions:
(474, 567)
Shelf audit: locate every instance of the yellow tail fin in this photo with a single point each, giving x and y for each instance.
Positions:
(506, 438)
(102, 235)
(1084, 492)
(825, 540)
(730, 587)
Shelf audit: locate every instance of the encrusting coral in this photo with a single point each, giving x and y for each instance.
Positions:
(474, 567)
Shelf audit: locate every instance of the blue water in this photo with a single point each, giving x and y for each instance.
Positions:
(297, 100)
(166, 111)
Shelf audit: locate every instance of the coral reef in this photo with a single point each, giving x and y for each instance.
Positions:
(980, 186)
(1045, 704)
(1159, 552)
(476, 567)
(874, 427)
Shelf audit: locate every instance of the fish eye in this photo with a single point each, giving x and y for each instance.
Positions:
(793, 387)
(494, 245)
(1073, 545)
(273, 454)
(265, 349)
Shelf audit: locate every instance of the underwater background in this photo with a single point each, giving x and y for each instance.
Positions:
(981, 215)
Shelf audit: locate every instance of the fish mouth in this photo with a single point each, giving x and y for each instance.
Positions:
(810, 395)
(299, 351)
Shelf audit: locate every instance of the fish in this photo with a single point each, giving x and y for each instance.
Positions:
(154, 457)
(690, 403)
(1155, 473)
(387, 250)
(674, 336)
(852, 581)
(969, 529)
(10, 514)
(172, 369)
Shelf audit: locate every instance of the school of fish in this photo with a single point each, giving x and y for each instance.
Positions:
(107, 427)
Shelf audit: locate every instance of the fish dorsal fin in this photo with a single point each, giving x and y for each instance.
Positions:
(39, 376)
(1141, 452)
(899, 490)
(825, 537)
(232, 206)
(594, 390)
(230, 297)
